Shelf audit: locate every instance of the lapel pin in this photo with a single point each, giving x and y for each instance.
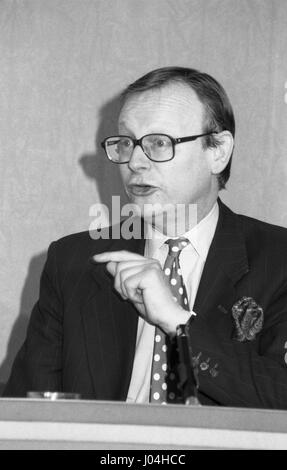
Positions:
(214, 371)
(204, 365)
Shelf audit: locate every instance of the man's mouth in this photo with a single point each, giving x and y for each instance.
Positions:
(141, 189)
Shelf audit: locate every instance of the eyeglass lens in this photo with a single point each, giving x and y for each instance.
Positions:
(158, 147)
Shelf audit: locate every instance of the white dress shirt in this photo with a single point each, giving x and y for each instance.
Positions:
(192, 260)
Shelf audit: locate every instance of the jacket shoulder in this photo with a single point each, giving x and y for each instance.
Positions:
(86, 241)
(265, 239)
(74, 251)
(259, 236)
(265, 229)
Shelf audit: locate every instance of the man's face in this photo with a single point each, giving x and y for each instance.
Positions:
(174, 110)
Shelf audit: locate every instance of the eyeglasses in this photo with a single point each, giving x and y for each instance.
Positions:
(157, 147)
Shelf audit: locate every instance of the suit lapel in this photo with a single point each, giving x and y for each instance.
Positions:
(110, 326)
(225, 265)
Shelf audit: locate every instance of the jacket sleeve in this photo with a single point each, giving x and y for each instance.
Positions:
(38, 364)
(246, 374)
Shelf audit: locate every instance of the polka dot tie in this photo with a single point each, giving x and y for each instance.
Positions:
(164, 379)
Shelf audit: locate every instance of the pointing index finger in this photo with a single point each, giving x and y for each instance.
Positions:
(117, 256)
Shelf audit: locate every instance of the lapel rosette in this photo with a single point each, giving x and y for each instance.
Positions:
(248, 318)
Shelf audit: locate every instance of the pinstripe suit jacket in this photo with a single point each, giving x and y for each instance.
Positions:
(81, 336)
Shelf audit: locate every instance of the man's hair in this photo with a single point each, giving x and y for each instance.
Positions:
(218, 110)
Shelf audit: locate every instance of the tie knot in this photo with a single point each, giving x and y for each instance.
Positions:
(176, 245)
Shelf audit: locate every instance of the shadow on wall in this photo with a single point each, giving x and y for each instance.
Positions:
(96, 166)
(28, 298)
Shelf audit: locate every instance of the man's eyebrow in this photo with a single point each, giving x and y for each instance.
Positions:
(125, 126)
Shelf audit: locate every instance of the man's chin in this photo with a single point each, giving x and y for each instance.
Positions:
(145, 206)
(160, 220)
(169, 219)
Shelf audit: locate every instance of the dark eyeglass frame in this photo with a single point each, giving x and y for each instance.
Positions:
(174, 141)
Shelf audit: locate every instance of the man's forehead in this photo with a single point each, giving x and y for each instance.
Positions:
(177, 96)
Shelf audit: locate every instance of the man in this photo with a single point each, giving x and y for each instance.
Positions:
(106, 328)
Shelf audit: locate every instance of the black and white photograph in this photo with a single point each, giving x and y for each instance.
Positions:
(143, 227)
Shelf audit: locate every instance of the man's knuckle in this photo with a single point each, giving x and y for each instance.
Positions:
(153, 271)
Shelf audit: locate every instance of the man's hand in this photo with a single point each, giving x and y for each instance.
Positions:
(142, 281)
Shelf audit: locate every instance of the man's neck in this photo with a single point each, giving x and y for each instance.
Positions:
(182, 219)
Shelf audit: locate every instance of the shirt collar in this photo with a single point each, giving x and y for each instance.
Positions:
(199, 236)
(202, 234)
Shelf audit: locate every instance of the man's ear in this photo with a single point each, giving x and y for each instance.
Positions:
(220, 155)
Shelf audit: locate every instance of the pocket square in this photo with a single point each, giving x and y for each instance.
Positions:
(248, 318)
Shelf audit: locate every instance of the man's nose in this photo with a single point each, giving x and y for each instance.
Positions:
(138, 160)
